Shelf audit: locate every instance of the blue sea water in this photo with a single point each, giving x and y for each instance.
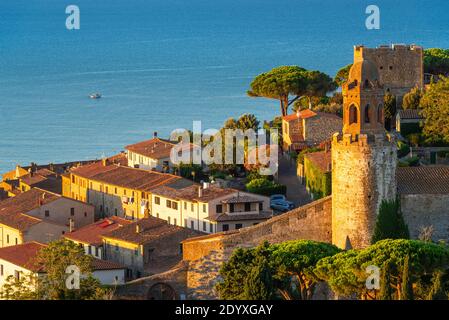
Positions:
(162, 64)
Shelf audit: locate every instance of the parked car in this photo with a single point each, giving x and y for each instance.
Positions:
(279, 202)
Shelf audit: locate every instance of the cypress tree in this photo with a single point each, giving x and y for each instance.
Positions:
(386, 292)
(437, 291)
(407, 288)
(390, 223)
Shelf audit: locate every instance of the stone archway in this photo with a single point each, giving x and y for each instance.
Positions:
(161, 291)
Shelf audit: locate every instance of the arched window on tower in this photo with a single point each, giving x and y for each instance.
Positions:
(353, 114)
(367, 113)
(380, 113)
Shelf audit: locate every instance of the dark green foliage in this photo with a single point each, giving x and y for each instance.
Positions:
(342, 75)
(390, 223)
(271, 270)
(389, 109)
(410, 128)
(300, 158)
(266, 187)
(318, 183)
(436, 61)
(437, 291)
(189, 171)
(407, 285)
(386, 292)
(409, 162)
(412, 99)
(403, 149)
(259, 283)
(346, 272)
(237, 270)
(282, 82)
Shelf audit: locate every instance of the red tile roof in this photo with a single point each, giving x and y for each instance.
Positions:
(23, 255)
(38, 176)
(91, 234)
(322, 160)
(13, 211)
(150, 229)
(126, 177)
(98, 265)
(423, 180)
(304, 114)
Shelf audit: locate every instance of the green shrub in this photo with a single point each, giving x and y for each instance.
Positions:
(403, 149)
(410, 128)
(266, 187)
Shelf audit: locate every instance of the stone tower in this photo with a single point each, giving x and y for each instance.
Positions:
(363, 159)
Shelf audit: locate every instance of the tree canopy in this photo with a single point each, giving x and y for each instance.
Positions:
(285, 270)
(342, 75)
(390, 223)
(435, 110)
(412, 99)
(436, 61)
(346, 272)
(283, 82)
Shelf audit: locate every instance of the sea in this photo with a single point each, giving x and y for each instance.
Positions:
(162, 64)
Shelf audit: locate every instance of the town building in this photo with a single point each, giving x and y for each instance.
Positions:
(155, 154)
(308, 128)
(209, 208)
(20, 261)
(90, 236)
(408, 122)
(115, 189)
(39, 215)
(147, 246)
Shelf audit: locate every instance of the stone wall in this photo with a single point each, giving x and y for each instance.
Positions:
(363, 174)
(426, 210)
(206, 254)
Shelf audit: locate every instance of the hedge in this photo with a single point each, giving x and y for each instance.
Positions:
(265, 187)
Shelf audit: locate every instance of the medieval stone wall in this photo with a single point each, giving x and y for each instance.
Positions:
(426, 210)
(363, 174)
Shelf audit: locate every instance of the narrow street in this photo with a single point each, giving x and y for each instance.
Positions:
(296, 192)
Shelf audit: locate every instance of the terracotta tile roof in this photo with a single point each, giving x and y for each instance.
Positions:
(91, 234)
(423, 180)
(304, 114)
(190, 193)
(150, 229)
(23, 255)
(155, 148)
(98, 265)
(242, 199)
(123, 176)
(410, 114)
(322, 160)
(241, 217)
(13, 211)
(38, 176)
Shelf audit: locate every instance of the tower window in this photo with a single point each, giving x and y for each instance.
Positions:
(380, 113)
(367, 113)
(353, 114)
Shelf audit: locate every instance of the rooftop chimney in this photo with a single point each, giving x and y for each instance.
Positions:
(137, 228)
(200, 192)
(71, 225)
(155, 134)
(104, 162)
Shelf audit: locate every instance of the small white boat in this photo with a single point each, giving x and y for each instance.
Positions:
(95, 95)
